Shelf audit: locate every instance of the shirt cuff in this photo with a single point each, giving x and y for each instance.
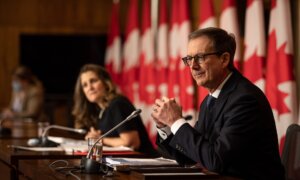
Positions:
(164, 132)
(177, 124)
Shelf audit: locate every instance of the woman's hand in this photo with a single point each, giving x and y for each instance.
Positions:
(129, 139)
(93, 133)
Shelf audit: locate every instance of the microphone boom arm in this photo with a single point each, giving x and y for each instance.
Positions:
(131, 116)
(80, 131)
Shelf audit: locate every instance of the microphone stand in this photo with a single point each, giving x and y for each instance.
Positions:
(92, 166)
(45, 142)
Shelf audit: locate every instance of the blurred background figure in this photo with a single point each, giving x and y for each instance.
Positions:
(27, 96)
(98, 108)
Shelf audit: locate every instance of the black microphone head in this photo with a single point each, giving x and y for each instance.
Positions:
(45, 142)
(41, 142)
(33, 142)
(134, 114)
(137, 111)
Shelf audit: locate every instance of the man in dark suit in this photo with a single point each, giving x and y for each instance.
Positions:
(235, 133)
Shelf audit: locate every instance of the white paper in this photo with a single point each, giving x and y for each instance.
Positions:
(73, 145)
(62, 140)
(41, 149)
(141, 161)
(69, 148)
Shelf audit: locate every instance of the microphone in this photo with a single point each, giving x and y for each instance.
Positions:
(80, 131)
(92, 166)
(43, 141)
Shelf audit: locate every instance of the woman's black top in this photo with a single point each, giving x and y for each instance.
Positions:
(119, 108)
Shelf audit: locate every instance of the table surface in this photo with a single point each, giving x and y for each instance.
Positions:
(9, 154)
(39, 169)
(35, 165)
(10, 157)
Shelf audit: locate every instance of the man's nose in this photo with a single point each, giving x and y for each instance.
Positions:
(195, 64)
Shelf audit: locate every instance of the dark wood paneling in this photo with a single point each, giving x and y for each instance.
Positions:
(44, 17)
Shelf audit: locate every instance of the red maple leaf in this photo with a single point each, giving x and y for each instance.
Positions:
(279, 71)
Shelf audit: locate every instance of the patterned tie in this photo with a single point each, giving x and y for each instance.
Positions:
(209, 104)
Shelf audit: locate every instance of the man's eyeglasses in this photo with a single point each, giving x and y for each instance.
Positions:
(198, 58)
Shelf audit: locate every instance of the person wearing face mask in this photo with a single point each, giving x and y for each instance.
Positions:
(27, 96)
(98, 108)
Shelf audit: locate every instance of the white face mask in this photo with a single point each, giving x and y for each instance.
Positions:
(16, 86)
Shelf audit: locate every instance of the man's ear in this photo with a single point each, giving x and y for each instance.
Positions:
(225, 58)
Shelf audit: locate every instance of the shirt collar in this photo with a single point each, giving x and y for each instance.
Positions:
(217, 92)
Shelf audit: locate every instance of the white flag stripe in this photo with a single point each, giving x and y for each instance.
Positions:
(131, 50)
(148, 46)
(254, 31)
(283, 19)
(113, 55)
(162, 50)
(229, 22)
(211, 22)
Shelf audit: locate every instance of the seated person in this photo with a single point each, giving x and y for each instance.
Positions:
(235, 134)
(98, 107)
(27, 96)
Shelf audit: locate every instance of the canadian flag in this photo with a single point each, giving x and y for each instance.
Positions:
(162, 51)
(207, 15)
(206, 19)
(229, 22)
(131, 54)
(255, 43)
(280, 81)
(180, 84)
(147, 83)
(174, 40)
(113, 50)
(146, 68)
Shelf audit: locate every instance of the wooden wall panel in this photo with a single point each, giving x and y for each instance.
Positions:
(44, 17)
(9, 56)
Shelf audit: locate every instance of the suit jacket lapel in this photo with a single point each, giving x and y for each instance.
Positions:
(228, 87)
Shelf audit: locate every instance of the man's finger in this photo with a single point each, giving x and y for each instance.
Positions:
(164, 99)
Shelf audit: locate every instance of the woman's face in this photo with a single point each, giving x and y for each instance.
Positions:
(92, 87)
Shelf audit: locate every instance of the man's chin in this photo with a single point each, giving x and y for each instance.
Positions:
(200, 82)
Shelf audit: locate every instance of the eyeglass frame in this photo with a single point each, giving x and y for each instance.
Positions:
(199, 58)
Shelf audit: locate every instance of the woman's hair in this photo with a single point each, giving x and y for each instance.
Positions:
(85, 112)
(25, 74)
